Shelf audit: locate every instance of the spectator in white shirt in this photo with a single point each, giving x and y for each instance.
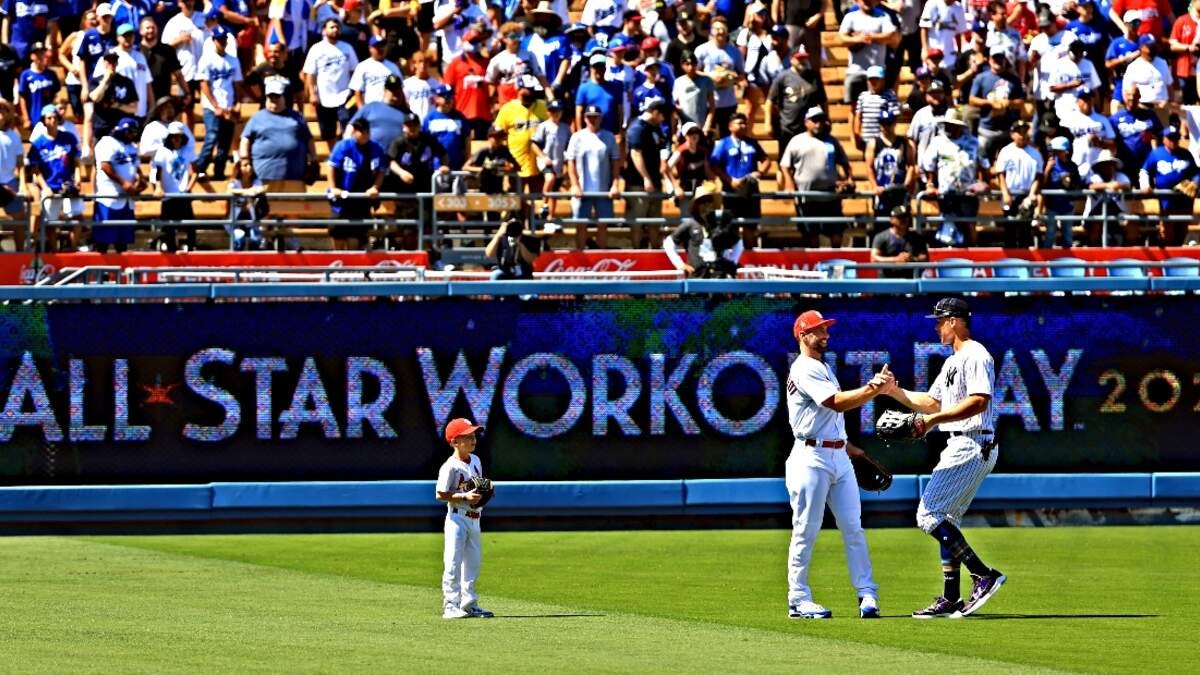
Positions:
(1018, 171)
(1071, 77)
(452, 19)
(219, 73)
(942, 23)
(369, 76)
(327, 70)
(171, 174)
(185, 32)
(1150, 75)
(869, 33)
(1092, 131)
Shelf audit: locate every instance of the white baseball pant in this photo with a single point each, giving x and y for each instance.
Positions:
(817, 476)
(955, 480)
(462, 558)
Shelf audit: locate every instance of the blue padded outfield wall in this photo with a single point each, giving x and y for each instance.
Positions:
(577, 390)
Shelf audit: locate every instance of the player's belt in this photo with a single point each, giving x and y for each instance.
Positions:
(813, 443)
(973, 432)
(470, 514)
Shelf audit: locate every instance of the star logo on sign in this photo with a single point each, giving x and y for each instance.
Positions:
(157, 394)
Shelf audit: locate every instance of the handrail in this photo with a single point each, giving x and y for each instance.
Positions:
(545, 287)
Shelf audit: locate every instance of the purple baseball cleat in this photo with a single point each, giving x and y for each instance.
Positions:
(940, 609)
(983, 588)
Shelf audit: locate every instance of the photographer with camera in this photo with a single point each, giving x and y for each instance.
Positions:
(54, 160)
(513, 250)
(118, 179)
(714, 244)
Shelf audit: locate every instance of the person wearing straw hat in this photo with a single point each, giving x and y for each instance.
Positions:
(548, 44)
(955, 172)
(1107, 186)
(709, 235)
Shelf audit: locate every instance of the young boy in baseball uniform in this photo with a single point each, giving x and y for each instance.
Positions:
(819, 472)
(464, 549)
(960, 401)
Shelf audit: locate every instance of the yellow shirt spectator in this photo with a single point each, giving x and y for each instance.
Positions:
(519, 123)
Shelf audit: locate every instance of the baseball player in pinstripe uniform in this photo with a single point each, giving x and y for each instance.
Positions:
(960, 402)
(818, 470)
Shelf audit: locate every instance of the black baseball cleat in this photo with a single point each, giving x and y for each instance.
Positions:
(940, 609)
(983, 588)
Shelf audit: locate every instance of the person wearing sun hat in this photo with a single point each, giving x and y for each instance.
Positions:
(1106, 187)
(954, 173)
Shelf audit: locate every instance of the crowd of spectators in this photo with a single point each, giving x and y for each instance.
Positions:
(1004, 100)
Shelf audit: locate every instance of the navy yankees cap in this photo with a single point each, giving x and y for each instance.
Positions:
(947, 307)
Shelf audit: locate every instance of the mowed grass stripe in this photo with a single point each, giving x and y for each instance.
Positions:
(1105, 599)
(79, 606)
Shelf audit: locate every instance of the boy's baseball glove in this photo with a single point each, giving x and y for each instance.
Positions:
(484, 487)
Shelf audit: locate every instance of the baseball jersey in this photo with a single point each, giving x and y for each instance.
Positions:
(968, 371)
(811, 383)
(455, 473)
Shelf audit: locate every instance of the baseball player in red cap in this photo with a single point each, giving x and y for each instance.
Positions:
(819, 472)
(464, 547)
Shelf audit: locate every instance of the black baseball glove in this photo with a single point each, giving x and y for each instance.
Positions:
(483, 487)
(894, 425)
(870, 474)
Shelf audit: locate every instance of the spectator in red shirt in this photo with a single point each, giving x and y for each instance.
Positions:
(467, 75)
(1155, 16)
(1185, 44)
(1021, 18)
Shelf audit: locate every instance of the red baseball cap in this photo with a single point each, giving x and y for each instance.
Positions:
(458, 427)
(650, 43)
(808, 321)
(472, 35)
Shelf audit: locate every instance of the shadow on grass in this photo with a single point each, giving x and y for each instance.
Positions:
(545, 616)
(1062, 616)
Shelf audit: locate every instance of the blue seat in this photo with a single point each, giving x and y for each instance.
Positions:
(1127, 272)
(1191, 270)
(848, 271)
(1011, 268)
(956, 272)
(1068, 271)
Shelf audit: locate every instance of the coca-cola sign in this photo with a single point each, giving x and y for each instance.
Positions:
(614, 261)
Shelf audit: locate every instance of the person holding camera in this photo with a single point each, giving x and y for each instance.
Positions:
(54, 160)
(513, 250)
(713, 242)
(118, 179)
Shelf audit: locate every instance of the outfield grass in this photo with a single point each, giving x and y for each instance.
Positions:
(1079, 599)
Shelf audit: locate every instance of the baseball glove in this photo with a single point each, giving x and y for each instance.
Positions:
(484, 487)
(894, 425)
(870, 474)
(1186, 187)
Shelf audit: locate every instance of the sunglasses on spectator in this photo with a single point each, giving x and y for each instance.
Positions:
(515, 36)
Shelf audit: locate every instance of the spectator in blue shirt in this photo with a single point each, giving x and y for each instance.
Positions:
(448, 126)
(1136, 128)
(27, 23)
(37, 86)
(740, 162)
(95, 43)
(54, 160)
(387, 117)
(356, 164)
(1120, 53)
(1167, 166)
(604, 95)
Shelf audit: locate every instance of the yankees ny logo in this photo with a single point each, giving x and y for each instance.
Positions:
(950, 375)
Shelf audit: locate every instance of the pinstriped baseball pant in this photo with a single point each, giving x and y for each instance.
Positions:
(955, 480)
